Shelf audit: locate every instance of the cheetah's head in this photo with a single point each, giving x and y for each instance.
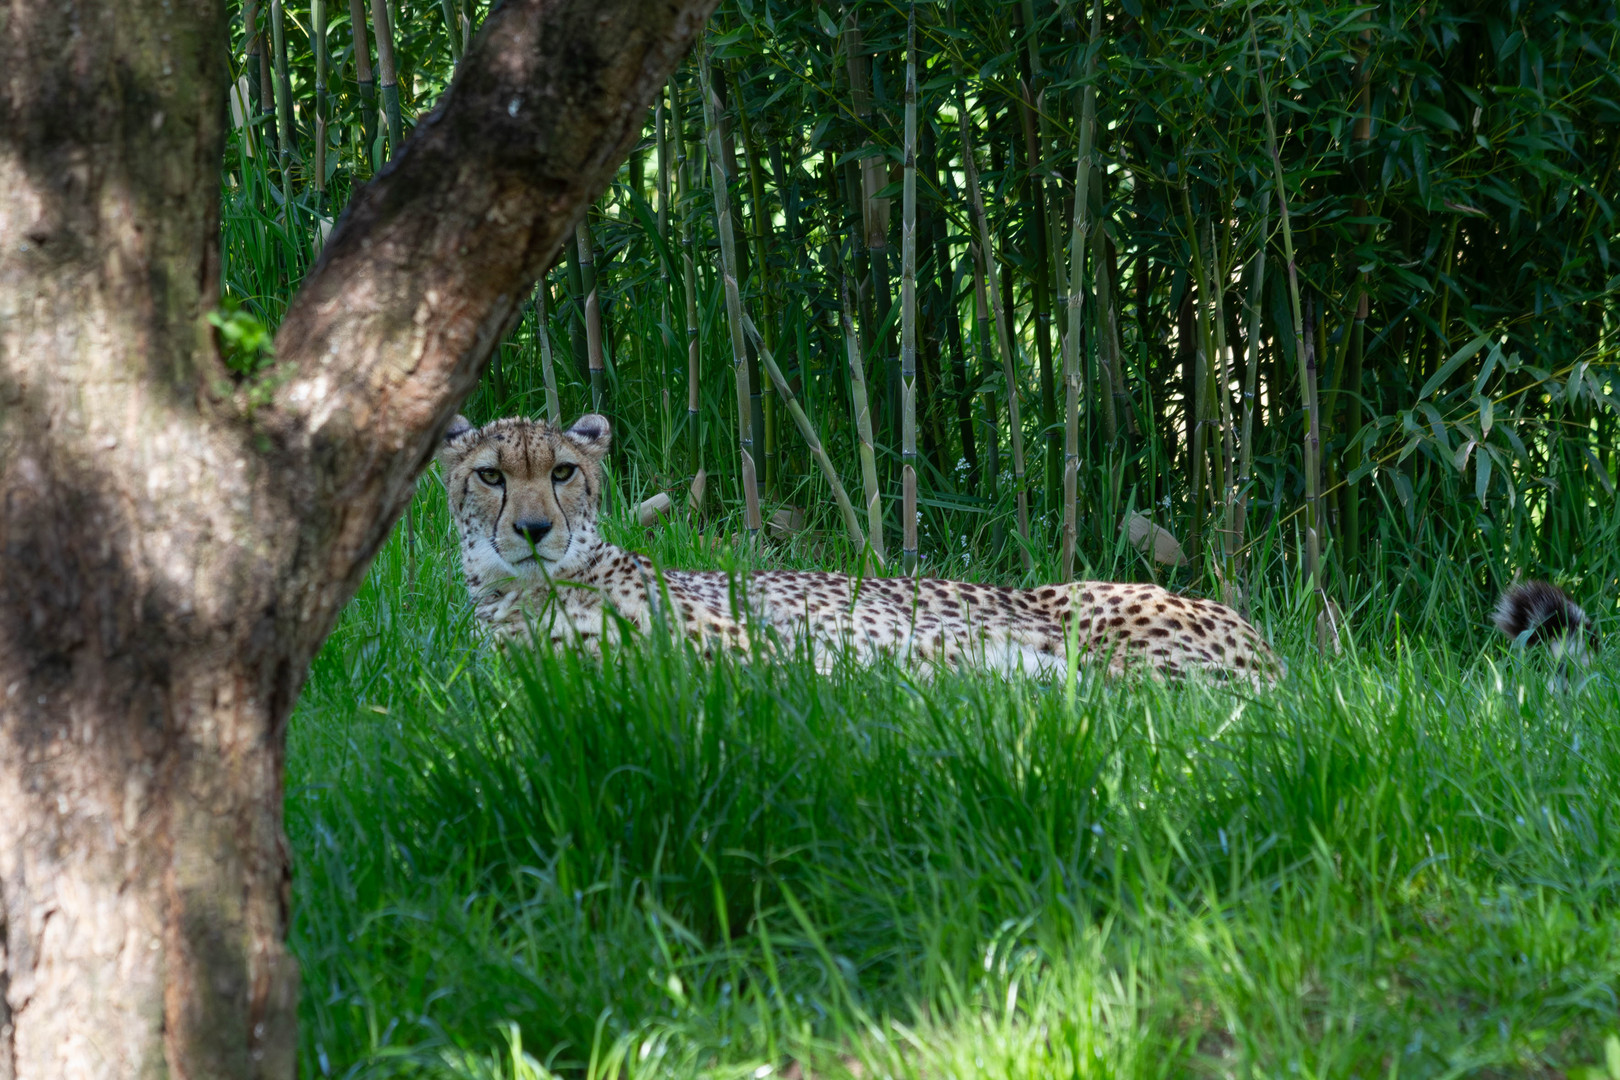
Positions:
(524, 495)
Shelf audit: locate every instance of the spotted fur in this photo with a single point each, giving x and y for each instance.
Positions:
(525, 495)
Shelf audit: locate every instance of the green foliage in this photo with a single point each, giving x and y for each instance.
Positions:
(245, 343)
(1450, 165)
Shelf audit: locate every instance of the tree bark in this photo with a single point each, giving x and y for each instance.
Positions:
(176, 541)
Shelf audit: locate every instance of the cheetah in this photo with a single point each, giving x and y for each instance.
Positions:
(524, 495)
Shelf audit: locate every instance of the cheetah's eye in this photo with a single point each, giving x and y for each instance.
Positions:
(492, 477)
(562, 473)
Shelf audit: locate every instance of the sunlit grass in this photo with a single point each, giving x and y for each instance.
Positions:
(1402, 862)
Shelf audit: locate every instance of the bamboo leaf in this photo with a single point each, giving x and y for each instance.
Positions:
(1435, 116)
(1458, 359)
(1403, 489)
(1493, 358)
(1361, 471)
(1482, 476)
(1406, 451)
(1576, 383)
(1598, 469)
(1518, 444)
(1437, 425)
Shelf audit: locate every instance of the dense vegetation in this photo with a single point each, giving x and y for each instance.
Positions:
(1400, 863)
(1449, 176)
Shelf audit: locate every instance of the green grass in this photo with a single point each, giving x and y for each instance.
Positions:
(1404, 862)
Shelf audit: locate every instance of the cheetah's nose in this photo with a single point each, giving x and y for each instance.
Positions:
(532, 531)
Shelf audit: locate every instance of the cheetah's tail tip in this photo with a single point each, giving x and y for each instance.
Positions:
(1542, 610)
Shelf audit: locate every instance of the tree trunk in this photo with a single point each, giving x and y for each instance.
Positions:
(178, 540)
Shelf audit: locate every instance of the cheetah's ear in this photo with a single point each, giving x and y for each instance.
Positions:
(459, 425)
(449, 453)
(592, 433)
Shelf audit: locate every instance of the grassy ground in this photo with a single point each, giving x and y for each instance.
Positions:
(1403, 863)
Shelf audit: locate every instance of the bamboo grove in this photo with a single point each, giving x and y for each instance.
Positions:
(1315, 289)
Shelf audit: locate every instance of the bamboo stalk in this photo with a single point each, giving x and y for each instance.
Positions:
(593, 314)
(812, 440)
(1108, 335)
(1003, 342)
(251, 49)
(1078, 234)
(694, 354)
(950, 279)
(666, 334)
(661, 135)
(1329, 396)
(575, 281)
(390, 77)
(1052, 182)
(362, 76)
(1309, 376)
(1111, 395)
(725, 99)
(933, 395)
(1253, 303)
(1222, 385)
(873, 212)
(1350, 525)
(863, 425)
(451, 29)
(318, 42)
(728, 267)
(1313, 494)
(761, 240)
(908, 312)
(267, 93)
(1034, 199)
(852, 172)
(244, 116)
(981, 347)
(283, 91)
(542, 331)
(1198, 418)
